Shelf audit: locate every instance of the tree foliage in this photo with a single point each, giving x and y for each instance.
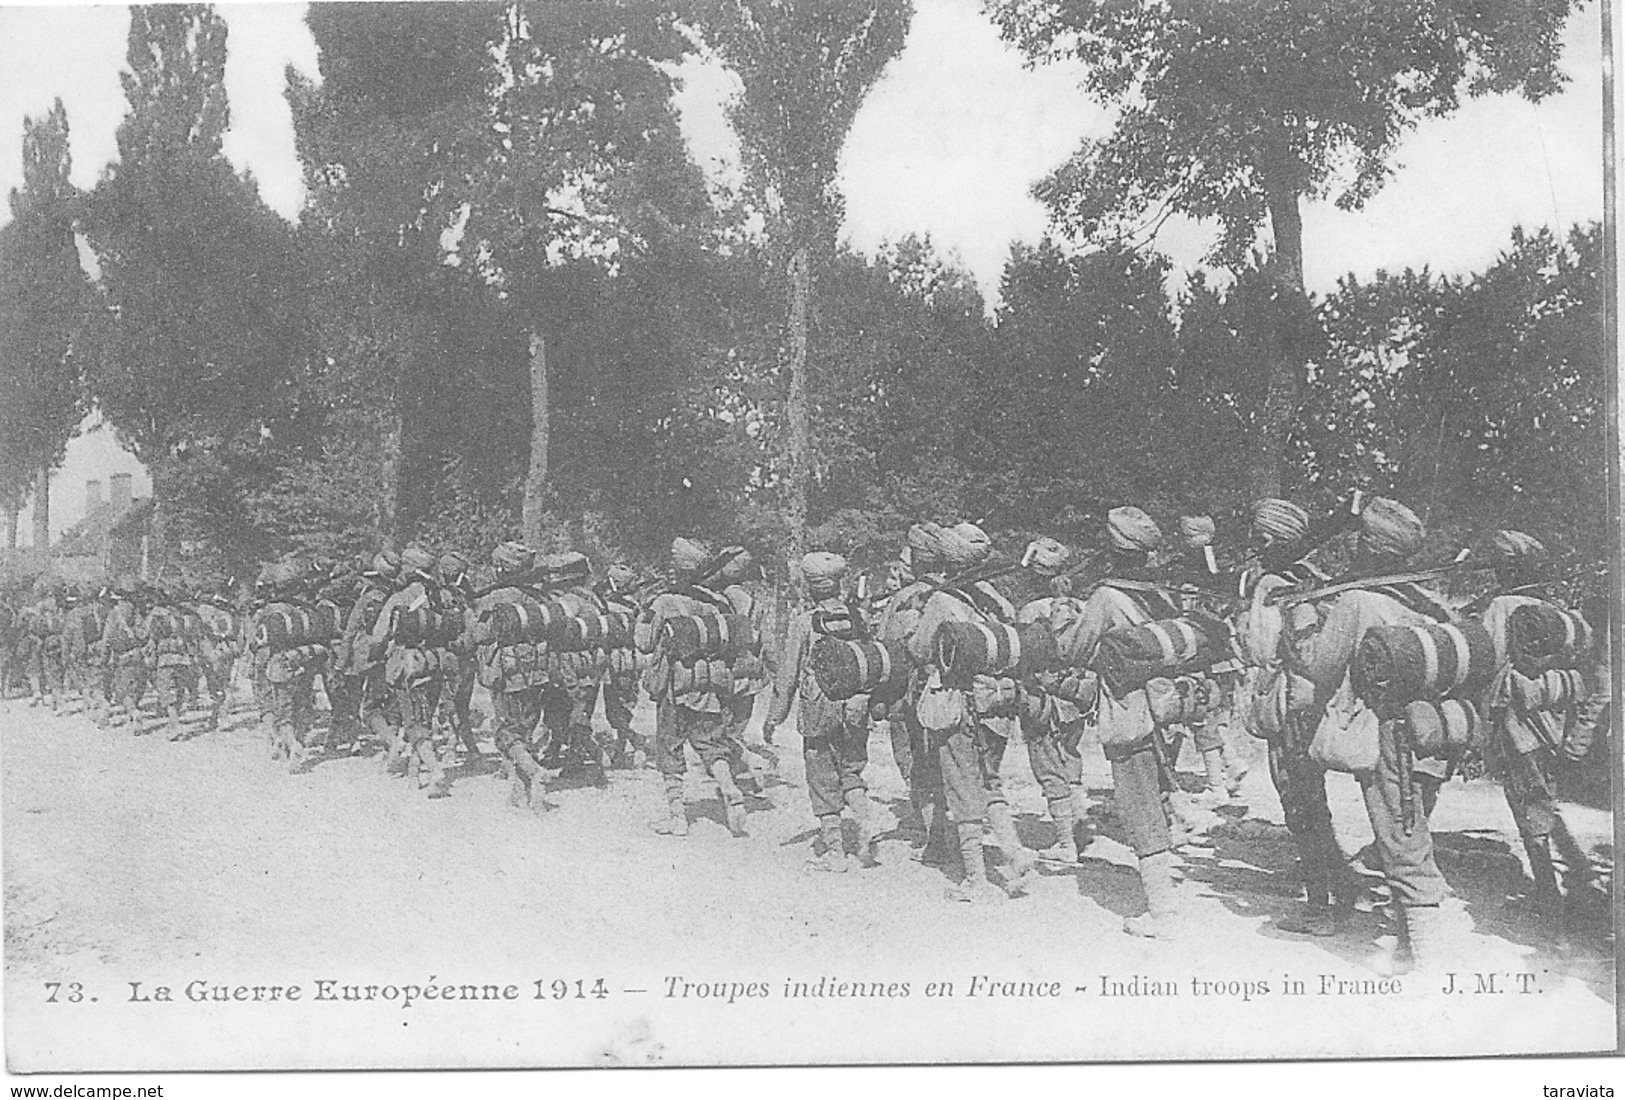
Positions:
(43, 305)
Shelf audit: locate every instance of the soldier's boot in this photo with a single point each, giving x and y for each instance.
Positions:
(1083, 830)
(174, 724)
(1237, 768)
(974, 888)
(733, 799)
(1065, 849)
(1217, 791)
(867, 816)
(675, 821)
(429, 758)
(1548, 898)
(1160, 921)
(1020, 860)
(832, 859)
(395, 758)
(1425, 935)
(299, 752)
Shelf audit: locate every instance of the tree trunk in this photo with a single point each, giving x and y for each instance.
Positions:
(11, 527)
(155, 546)
(1275, 419)
(42, 509)
(389, 470)
(796, 406)
(535, 504)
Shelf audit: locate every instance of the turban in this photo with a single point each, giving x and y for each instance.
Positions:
(1515, 545)
(1046, 555)
(735, 562)
(1196, 531)
(926, 538)
(1279, 520)
(821, 568)
(567, 567)
(1391, 528)
(451, 566)
(687, 555)
(965, 545)
(281, 573)
(415, 559)
(513, 557)
(621, 575)
(1131, 529)
(386, 563)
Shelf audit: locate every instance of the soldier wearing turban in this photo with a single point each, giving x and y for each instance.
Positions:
(968, 725)
(515, 673)
(834, 736)
(416, 667)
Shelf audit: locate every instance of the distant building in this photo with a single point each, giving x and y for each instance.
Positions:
(113, 539)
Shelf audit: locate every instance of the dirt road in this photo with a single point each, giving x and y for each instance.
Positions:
(133, 863)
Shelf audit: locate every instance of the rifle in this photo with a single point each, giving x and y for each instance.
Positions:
(1289, 597)
(1479, 603)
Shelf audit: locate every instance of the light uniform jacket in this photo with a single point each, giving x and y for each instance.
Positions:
(992, 700)
(819, 715)
(1124, 721)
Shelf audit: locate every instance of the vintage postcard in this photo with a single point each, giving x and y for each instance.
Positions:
(841, 532)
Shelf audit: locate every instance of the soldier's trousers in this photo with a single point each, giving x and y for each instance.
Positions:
(620, 697)
(1138, 776)
(567, 716)
(517, 714)
(677, 725)
(970, 756)
(293, 706)
(1053, 752)
(1301, 785)
(1407, 853)
(835, 756)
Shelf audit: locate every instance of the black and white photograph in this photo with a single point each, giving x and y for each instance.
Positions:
(551, 534)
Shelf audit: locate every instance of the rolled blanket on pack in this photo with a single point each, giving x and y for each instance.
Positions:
(995, 649)
(1396, 665)
(426, 627)
(1131, 655)
(283, 628)
(1542, 637)
(300, 656)
(1554, 689)
(527, 620)
(606, 630)
(1445, 728)
(624, 661)
(689, 637)
(847, 668)
(703, 675)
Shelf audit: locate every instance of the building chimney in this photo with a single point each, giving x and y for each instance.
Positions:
(120, 488)
(93, 496)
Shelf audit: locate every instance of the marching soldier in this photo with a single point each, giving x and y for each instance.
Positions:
(919, 570)
(171, 651)
(969, 724)
(1051, 723)
(834, 736)
(360, 663)
(294, 652)
(573, 673)
(630, 749)
(691, 709)
(124, 638)
(417, 665)
(452, 571)
(1223, 772)
(1320, 637)
(1127, 730)
(1532, 728)
(220, 646)
(514, 670)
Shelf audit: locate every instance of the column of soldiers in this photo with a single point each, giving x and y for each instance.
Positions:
(976, 649)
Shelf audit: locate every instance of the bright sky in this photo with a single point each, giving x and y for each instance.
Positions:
(947, 144)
